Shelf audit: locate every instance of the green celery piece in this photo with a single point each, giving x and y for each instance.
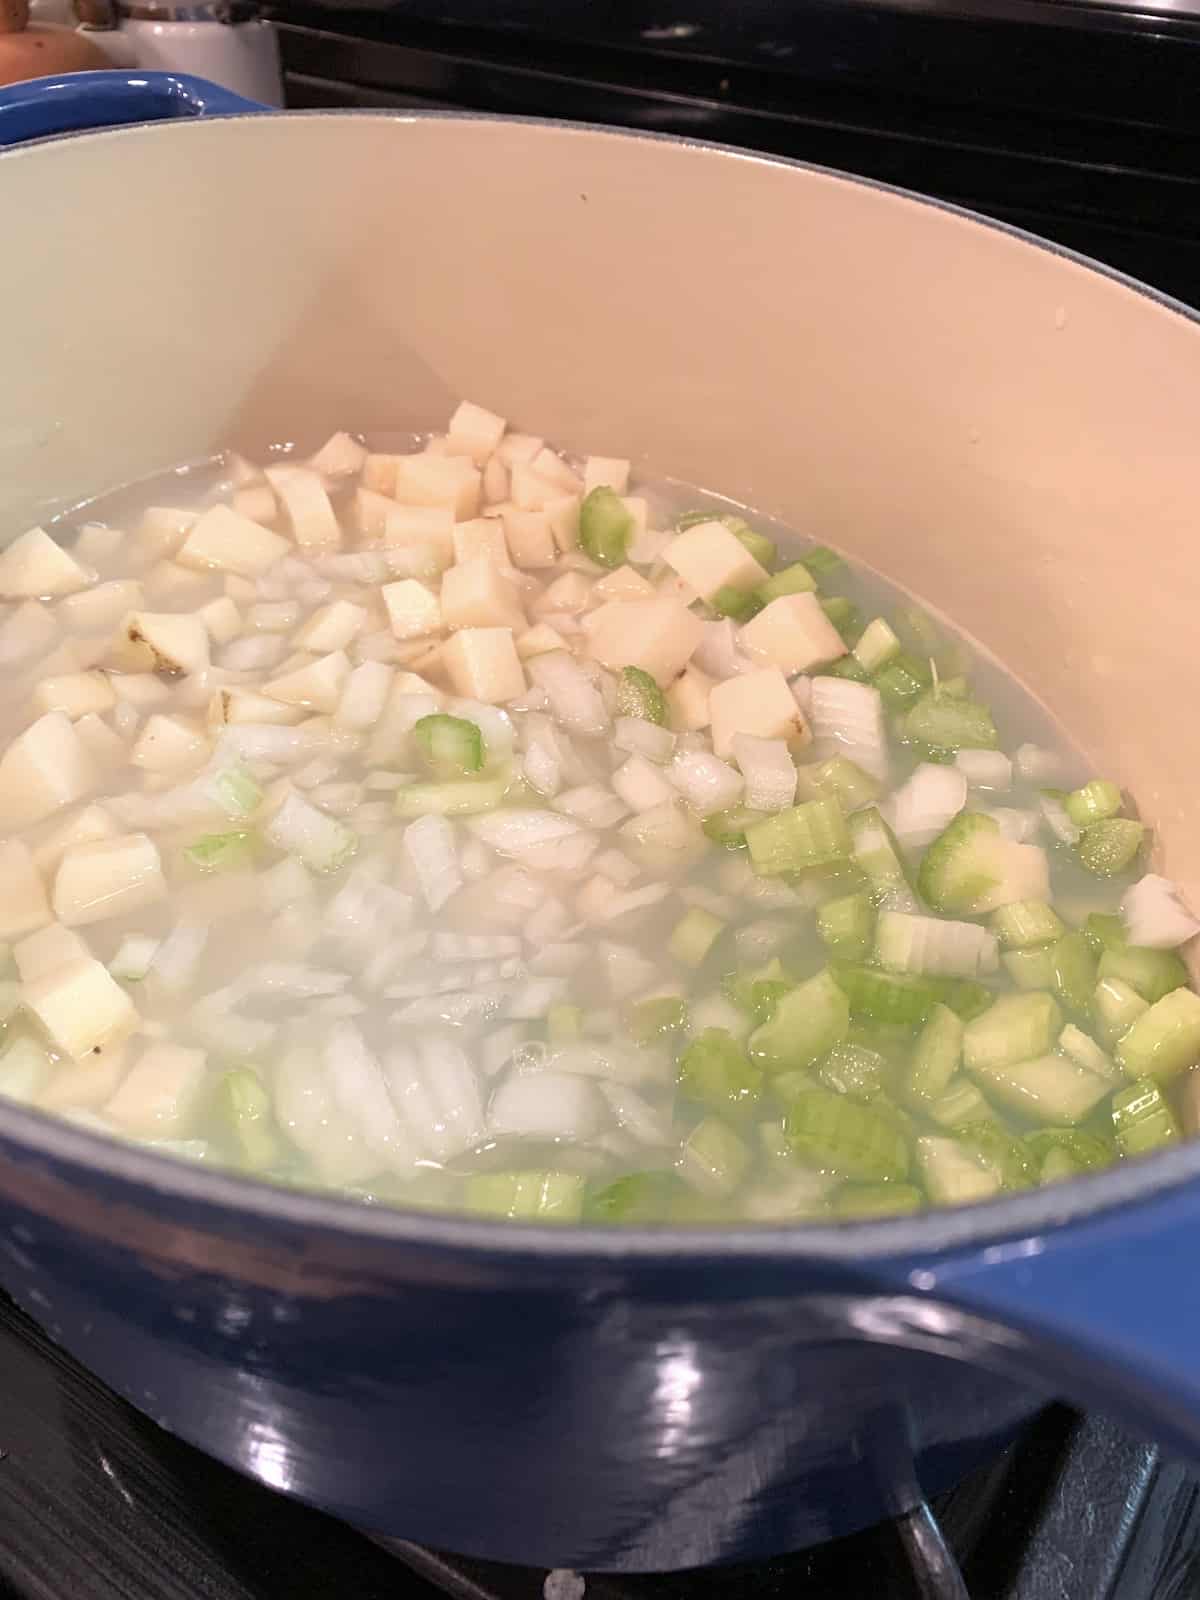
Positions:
(1104, 930)
(739, 604)
(1117, 1006)
(1152, 973)
(1000, 1151)
(966, 998)
(877, 1200)
(964, 865)
(464, 798)
(902, 681)
(952, 723)
(953, 1172)
(1025, 923)
(1081, 1047)
(876, 645)
(1165, 1040)
(715, 1072)
(244, 1107)
(692, 519)
(222, 852)
(652, 1019)
(954, 688)
(1109, 847)
(563, 1023)
(960, 1106)
(830, 882)
(847, 924)
(728, 828)
(452, 746)
(785, 1086)
(1049, 1088)
(884, 996)
(844, 615)
(605, 526)
(694, 935)
(1058, 1164)
(1031, 969)
(1089, 1153)
(939, 755)
(796, 579)
(715, 1156)
(1142, 1119)
(807, 835)
(528, 1196)
(847, 666)
(1017, 1027)
(822, 562)
(1095, 802)
(855, 1070)
(760, 547)
(808, 1021)
(638, 695)
(845, 780)
(842, 1136)
(637, 1197)
(936, 1055)
(235, 791)
(875, 852)
(1074, 971)
(760, 991)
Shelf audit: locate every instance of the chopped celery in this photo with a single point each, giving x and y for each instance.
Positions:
(244, 1107)
(830, 882)
(222, 852)
(821, 561)
(637, 1197)
(1087, 1151)
(971, 868)
(884, 996)
(728, 828)
(692, 519)
(847, 782)
(563, 1023)
(1165, 1040)
(876, 1200)
(694, 935)
(1058, 1164)
(531, 1196)
(903, 680)
(1142, 1119)
(1049, 1088)
(874, 849)
(785, 1086)
(638, 695)
(1084, 1050)
(715, 1071)
(605, 526)
(1030, 969)
(960, 1106)
(796, 579)
(649, 1020)
(739, 604)
(953, 1172)
(1000, 1151)
(807, 835)
(1095, 802)
(844, 615)
(452, 746)
(847, 925)
(847, 1138)
(966, 998)
(1017, 1027)
(1109, 847)
(1074, 971)
(876, 646)
(760, 547)
(951, 722)
(1152, 973)
(1117, 1006)
(847, 666)
(759, 992)
(854, 1069)
(235, 791)
(461, 799)
(935, 1056)
(1025, 923)
(715, 1157)
(1104, 930)
(808, 1021)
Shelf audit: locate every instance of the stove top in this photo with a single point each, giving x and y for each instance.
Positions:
(97, 1503)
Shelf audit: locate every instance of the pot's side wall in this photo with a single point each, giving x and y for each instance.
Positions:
(1010, 434)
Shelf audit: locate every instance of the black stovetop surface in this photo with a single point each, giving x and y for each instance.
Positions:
(97, 1503)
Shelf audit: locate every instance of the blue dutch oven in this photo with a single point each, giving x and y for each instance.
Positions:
(997, 423)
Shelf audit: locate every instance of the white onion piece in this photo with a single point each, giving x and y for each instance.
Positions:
(550, 1105)
(429, 849)
(923, 806)
(454, 1087)
(931, 945)
(707, 783)
(637, 737)
(178, 956)
(558, 960)
(574, 699)
(717, 654)
(852, 714)
(768, 770)
(497, 1048)
(1015, 822)
(300, 829)
(593, 805)
(1038, 766)
(1155, 915)
(1057, 821)
(637, 1115)
(473, 946)
(985, 769)
(361, 1092)
(641, 784)
(457, 1010)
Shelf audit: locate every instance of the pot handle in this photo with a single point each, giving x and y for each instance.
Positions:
(1102, 1310)
(43, 107)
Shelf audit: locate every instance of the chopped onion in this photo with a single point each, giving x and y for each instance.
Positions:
(923, 806)
(454, 1087)
(985, 769)
(1016, 822)
(933, 945)
(592, 805)
(1057, 821)
(717, 654)
(637, 737)
(429, 848)
(1155, 915)
(637, 1115)
(574, 700)
(852, 714)
(552, 1105)
(178, 956)
(768, 769)
(707, 783)
(320, 841)
(361, 1092)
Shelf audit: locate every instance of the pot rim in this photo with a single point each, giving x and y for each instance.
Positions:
(930, 1232)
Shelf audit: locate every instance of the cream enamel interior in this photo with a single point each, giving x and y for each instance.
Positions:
(1006, 432)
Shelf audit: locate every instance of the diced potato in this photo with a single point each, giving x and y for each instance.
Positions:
(626, 583)
(555, 470)
(85, 1085)
(34, 567)
(43, 769)
(341, 456)
(168, 744)
(476, 431)
(66, 657)
(406, 526)
(159, 1092)
(74, 693)
(108, 878)
(570, 592)
(101, 607)
(162, 641)
(47, 950)
(539, 641)
(103, 745)
(82, 1008)
(562, 513)
(517, 448)
(317, 686)
(25, 632)
(529, 538)
(242, 591)
(657, 635)
(482, 536)
(638, 510)
(605, 472)
(241, 471)
(257, 502)
(530, 491)
(425, 480)
(413, 610)
(709, 557)
(222, 619)
(82, 827)
(758, 702)
(792, 633)
(223, 541)
(247, 705)
(96, 545)
(475, 594)
(379, 473)
(23, 902)
(331, 627)
(364, 697)
(164, 528)
(306, 508)
(369, 513)
(482, 664)
(687, 700)
(176, 588)
(495, 481)
(141, 689)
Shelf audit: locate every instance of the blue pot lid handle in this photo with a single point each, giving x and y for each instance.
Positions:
(78, 101)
